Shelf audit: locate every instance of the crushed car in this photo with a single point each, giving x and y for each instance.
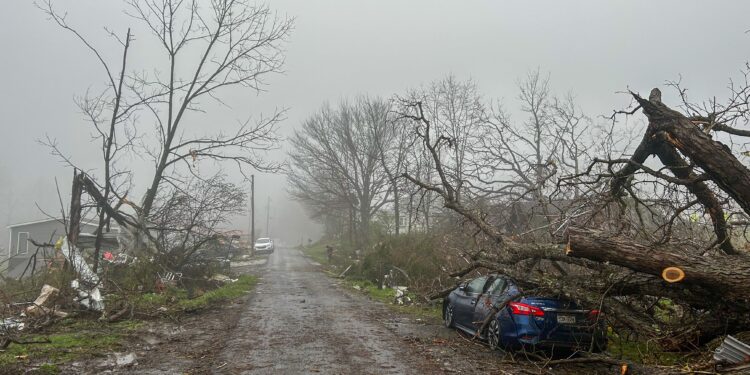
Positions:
(514, 320)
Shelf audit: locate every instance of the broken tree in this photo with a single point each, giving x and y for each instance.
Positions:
(618, 236)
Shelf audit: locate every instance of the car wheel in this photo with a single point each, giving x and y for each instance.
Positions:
(448, 315)
(493, 334)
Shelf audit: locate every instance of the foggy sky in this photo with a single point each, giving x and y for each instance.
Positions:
(346, 47)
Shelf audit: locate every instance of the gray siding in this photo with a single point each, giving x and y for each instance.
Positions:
(21, 251)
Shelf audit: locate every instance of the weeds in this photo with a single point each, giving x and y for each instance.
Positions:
(73, 339)
(387, 296)
(224, 293)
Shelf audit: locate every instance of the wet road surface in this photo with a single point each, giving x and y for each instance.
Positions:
(299, 321)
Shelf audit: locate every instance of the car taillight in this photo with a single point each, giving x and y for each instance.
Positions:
(518, 308)
(595, 314)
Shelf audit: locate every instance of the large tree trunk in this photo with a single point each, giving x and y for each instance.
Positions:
(717, 286)
(725, 275)
(714, 157)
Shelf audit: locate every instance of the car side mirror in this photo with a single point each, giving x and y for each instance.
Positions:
(462, 287)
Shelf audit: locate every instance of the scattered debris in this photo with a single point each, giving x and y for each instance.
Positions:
(169, 277)
(89, 298)
(732, 351)
(400, 297)
(223, 278)
(252, 262)
(38, 306)
(341, 275)
(12, 324)
(88, 291)
(124, 360)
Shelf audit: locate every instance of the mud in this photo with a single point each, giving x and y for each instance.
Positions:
(300, 321)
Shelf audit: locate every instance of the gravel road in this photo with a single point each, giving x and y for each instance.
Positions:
(300, 322)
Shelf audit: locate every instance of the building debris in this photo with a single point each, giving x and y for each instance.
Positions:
(38, 308)
(9, 324)
(222, 278)
(341, 275)
(125, 360)
(400, 297)
(89, 295)
(732, 351)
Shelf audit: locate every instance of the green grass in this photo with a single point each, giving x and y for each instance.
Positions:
(72, 339)
(177, 299)
(388, 295)
(318, 251)
(75, 337)
(227, 292)
(372, 290)
(640, 351)
(152, 301)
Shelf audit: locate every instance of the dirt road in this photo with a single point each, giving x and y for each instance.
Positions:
(300, 322)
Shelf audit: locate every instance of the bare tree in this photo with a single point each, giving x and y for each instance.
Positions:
(336, 162)
(630, 221)
(457, 111)
(111, 115)
(238, 44)
(209, 48)
(186, 220)
(518, 162)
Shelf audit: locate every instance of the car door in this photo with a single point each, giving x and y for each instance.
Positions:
(493, 292)
(466, 300)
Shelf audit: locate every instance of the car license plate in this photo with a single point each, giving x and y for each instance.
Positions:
(566, 319)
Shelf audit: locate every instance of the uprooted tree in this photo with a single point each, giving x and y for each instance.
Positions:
(614, 232)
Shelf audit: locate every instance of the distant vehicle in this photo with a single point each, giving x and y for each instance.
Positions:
(525, 321)
(264, 245)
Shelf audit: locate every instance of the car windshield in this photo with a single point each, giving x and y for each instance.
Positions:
(263, 240)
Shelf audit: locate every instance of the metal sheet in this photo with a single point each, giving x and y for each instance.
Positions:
(732, 351)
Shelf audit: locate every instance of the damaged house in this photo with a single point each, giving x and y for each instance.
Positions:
(22, 255)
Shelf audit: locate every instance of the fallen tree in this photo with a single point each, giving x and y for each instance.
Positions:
(637, 249)
(726, 275)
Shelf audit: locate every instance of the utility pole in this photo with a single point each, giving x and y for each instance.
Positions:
(252, 211)
(268, 218)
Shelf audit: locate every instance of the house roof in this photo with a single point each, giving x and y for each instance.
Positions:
(45, 221)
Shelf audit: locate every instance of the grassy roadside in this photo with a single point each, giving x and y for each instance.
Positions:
(637, 351)
(69, 340)
(317, 252)
(175, 299)
(76, 338)
(387, 296)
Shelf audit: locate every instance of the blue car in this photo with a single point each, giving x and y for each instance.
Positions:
(525, 321)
